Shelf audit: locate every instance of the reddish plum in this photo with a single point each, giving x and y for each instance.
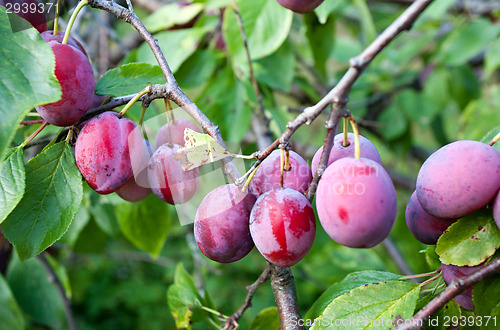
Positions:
(368, 150)
(167, 179)
(221, 224)
(74, 73)
(300, 6)
(356, 202)
(283, 226)
(102, 152)
(458, 179)
(50, 36)
(132, 192)
(268, 175)
(423, 226)
(175, 129)
(30, 10)
(452, 272)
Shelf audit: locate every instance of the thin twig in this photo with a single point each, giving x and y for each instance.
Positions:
(32, 122)
(455, 288)
(52, 277)
(233, 319)
(397, 257)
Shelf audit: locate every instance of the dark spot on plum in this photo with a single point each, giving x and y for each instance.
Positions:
(343, 215)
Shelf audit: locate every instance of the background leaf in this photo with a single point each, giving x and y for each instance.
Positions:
(268, 319)
(35, 293)
(266, 26)
(486, 298)
(146, 223)
(12, 183)
(53, 196)
(469, 241)
(128, 79)
(27, 76)
(10, 314)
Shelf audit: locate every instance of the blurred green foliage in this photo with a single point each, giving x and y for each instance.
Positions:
(437, 83)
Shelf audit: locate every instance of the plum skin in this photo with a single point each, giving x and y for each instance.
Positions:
(268, 174)
(423, 226)
(452, 272)
(356, 202)
(133, 192)
(221, 228)
(75, 75)
(102, 152)
(176, 128)
(458, 179)
(300, 6)
(50, 36)
(283, 226)
(368, 150)
(167, 179)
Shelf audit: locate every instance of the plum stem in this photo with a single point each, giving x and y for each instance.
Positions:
(409, 277)
(72, 19)
(495, 139)
(345, 143)
(133, 100)
(143, 112)
(56, 17)
(282, 165)
(357, 148)
(432, 279)
(250, 177)
(32, 136)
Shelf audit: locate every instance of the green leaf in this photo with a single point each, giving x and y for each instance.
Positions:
(393, 123)
(277, 70)
(466, 41)
(321, 37)
(486, 299)
(12, 183)
(35, 293)
(268, 319)
(469, 241)
(146, 223)
(446, 313)
(492, 60)
(53, 196)
(197, 69)
(327, 7)
(170, 15)
(366, 21)
(266, 25)
(178, 45)
(128, 79)
(431, 257)
(10, 314)
(182, 296)
(349, 283)
(379, 305)
(27, 76)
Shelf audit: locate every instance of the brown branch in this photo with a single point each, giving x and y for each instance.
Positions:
(32, 122)
(456, 287)
(52, 277)
(233, 319)
(283, 286)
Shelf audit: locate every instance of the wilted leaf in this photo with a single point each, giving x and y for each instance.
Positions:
(199, 149)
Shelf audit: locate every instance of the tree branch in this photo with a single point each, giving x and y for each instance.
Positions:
(283, 286)
(456, 287)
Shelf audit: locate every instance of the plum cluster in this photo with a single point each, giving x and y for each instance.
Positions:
(456, 180)
(112, 157)
(72, 70)
(356, 204)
